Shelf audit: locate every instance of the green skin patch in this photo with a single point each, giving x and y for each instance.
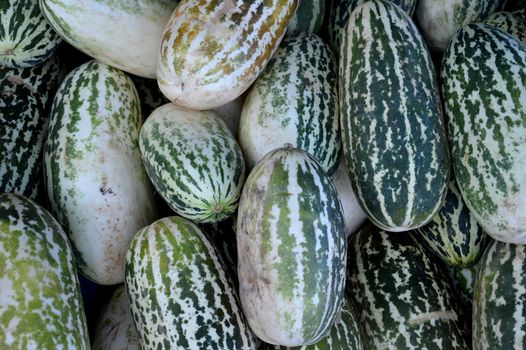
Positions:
(453, 235)
(402, 297)
(499, 308)
(24, 115)
(42, 305)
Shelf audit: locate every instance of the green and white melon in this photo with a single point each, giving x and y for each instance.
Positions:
(180, 294)
(294, 101)
(499, 304)
(26, 37)
(439, 20)
(512, 23)
(194, 162)
(122, 34)
(484, 89)
(213, 50)
(291, 249)
(40, 301)
(340, 12)
(308, 18)
(352, 212)
(394, 136)
(453, 235)
(344, 335)
(403, 298)
(95, 179)
(25, 97)
(115, 329)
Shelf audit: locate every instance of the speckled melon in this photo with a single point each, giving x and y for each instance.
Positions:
(26, 37)
(213, 50)
(40, 301)
(123, 34)
(193, 161)
(95, 180)
(180, 294)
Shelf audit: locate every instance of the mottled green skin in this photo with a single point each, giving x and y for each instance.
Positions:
(499, 303)
(453, 235)
(344, 335)
(291, 249)
(180, 294)
(403, 299)
(340, 12)
(40, 301)
(194, 162)
(308, 18)
(484, 89)
(394, 136)
(294, 101)
(150, 95)
(512, 23)
(26, 38)
(95, 180)
(25, 97)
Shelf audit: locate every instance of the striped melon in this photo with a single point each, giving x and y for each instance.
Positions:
(40, 302)
(25, 97)
(95, 179)
(403, 299)
(439, 20)
(344, 335)
(115, 329)
(180, 295)
(294, 101)
(307, 18)
(484, 89)
(122, 34)
(26, 37)
(213, 50)
(453, 235)
(193, 161)
(291, 249)
(352, 212)
(499, 304)
(340, 12)
(393, 132)
(512, 23)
